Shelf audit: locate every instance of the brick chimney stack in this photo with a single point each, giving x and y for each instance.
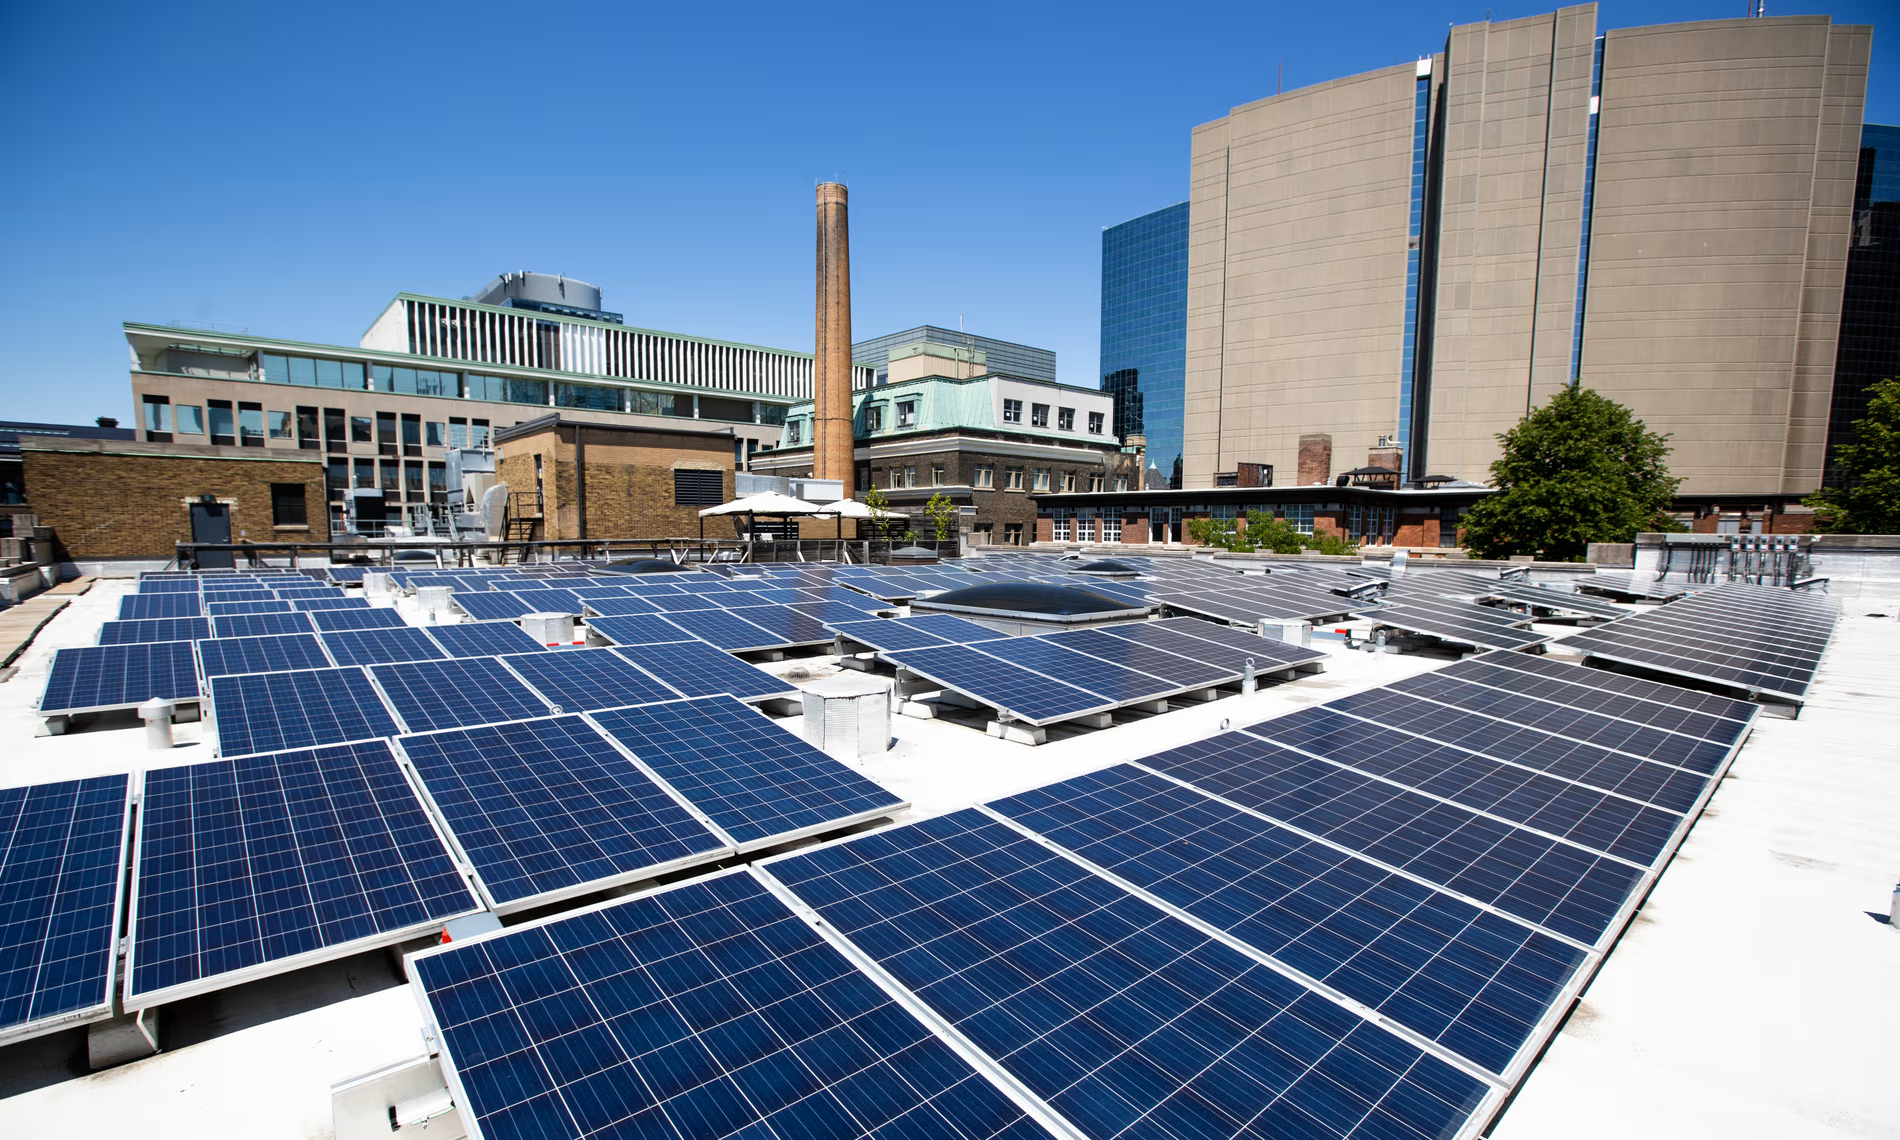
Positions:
(831, 373)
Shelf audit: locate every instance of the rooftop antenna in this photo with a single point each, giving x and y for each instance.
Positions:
(1279, 85)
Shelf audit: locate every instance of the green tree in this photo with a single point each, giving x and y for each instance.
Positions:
(1264, 532)
(1278, 535)
(879, 505)
(943, 515)
(1578, 470)
(1870, 503)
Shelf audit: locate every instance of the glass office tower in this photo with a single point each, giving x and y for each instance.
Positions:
(1870, 303)
(1144, 331)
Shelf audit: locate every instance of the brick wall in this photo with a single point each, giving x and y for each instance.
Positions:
(104, 504)
(628, 475)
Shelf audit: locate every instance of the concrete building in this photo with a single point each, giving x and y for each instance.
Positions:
(1144, 333)
(1413, 258)
(433, 374)
(989, 442)
(1003, 357)
(571, 478)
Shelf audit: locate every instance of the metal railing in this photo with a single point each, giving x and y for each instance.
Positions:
(423, 550)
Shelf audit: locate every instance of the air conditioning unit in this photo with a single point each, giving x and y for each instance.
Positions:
(849, 716)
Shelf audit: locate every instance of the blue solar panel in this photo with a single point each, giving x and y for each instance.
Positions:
(1124, 1019)
(783, 622)
(330, 603)
(831, 612)
(119, 676)
(580, 679)
(1602, 822)
(695, 669)
(677, 603)
(841, 596)
(549, 602)
(625, 605)
(330, 621)
(184, 585)
(752, 778)
(260, 625)
(270, 712)
(1235, 646)
(220, 609)
(494, 605)
(1597, 691)
(1464, 977)
(254, 866)
(1130, 654)
(1560, 886)
(637, 629)
(914, 632)
(1118, 684)
(341, 574)
(1023, 694)
(454, 694)
(707, 1009)
(482, 638)
(371, 646)
(549, 808)
(225, 656)
(154, 629)
(725, 630)
(62, 852)
(238, 598)
(135, 606)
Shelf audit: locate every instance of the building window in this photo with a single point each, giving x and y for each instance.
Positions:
(386, 433)
(1301, 516)
(307, 437)
(251, 424)
(158, 418)
(906, 413)
(412, 481)
(438, 482)
(936, 475)
(434, 434)
(1042, 479)
(1121, 483)
(1039, 415)
(1065, 419)
(591, 397)
(1059, 526)
(792, 432)
(698, 488)
(366, 473)
(910, 476)
(873, 417)
(1068, 482)
(280, 425)
(896, 477)
(1111, 528)
(984, 477)
(191, 419)
(426, 382)
(1013, 534)
(1012, 478)
(287, 505)
(864, 478)
(458, 432)
(478, 433)
(985, 533)
(411, 434)
(772, 415)
(723, 409)
(391, 475)
(1012, 411)
(223, 422)
(1095, 423)
(1356, 521)
(502, 390)
(335, 423)
(337, 477)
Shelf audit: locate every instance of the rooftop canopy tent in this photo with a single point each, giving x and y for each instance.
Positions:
(770, 504)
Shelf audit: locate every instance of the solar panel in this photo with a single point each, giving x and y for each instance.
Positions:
(1121, 1017)
(1701, 715)
(184, 585)
(678, 603)
(92, 677)
(154, 629)
(915, 632)
(226, 656)
(1455, 610)
(429, 695)
(1471, 980)
(547, 809)
(1668, 641)
(239, 597)
(134, 607)
(482, 638)
(623, 605)
(271, 712)
(494, 605)
(726, 630)
(550, 602)
(219, 609)
(1235, 646)
(332, 603)
(1556, 600)
(251, 867)
(576, 680)
(62, 857)
(637, 629)
(372, 646)
(342, 574)
(695, 669)
(1013, 690)
(260, 625)
(756, 781)
(785, 623)
(1185, 672)
(705, 1009)
(332, 621)
(1561, 886)
(1118, 684)
(1462, 631)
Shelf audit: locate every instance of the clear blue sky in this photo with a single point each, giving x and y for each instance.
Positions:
(290, 167)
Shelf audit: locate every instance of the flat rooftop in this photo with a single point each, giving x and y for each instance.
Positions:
(1750, 997)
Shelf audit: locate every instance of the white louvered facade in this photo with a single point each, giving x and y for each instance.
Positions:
(486, 334)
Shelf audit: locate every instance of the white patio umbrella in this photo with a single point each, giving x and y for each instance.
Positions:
(770, 503)
(847, 509)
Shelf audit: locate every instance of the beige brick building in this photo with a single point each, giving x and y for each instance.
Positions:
(594, 480)
(1422, 254)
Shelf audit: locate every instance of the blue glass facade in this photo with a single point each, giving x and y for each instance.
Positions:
(1408, 364)
(1869, 349)
(1144, 331)
(1589, 203)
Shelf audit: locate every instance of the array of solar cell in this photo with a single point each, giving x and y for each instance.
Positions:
(225, 656)
(119, 676)
(371, 646)
(1755, 639)
(575, 680)
(1479, 632)
(752, 778)
(482, 638)
(1122, 1017)
(62, 855)
(1631, 585)
(1543, 598)
(1703, 715)
(708, 1009)
(694, 669)
(637, 629)
(624, 605)
(455, 694)
(134, 607)
(273, 712)
(726, 630)
(548, 808)
(260, 625)
(252, 866)
(274, 606)
(915, 632)
(333, 621)
(154, 629)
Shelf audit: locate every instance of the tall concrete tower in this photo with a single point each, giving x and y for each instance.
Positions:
(831, 379)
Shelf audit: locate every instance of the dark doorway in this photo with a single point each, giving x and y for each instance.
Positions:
(211, 522)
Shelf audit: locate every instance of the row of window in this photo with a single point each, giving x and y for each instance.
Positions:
(983, 478)
(1105, 529)
(397, 480)
(354, 376)
(1039, 417)
(246, 424)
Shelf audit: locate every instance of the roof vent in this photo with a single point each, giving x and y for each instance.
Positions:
(849, 716)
